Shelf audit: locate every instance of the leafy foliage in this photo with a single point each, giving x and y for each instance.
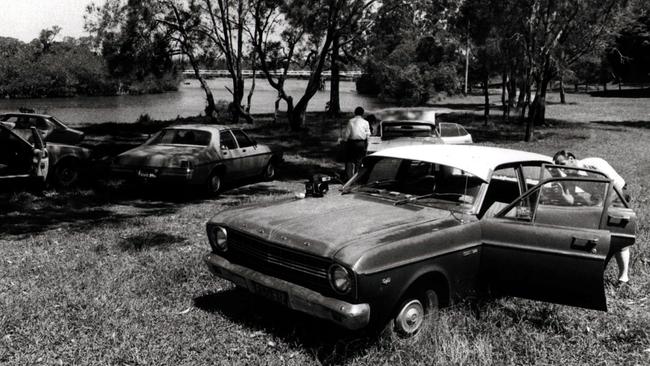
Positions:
(44, 68)
(412, 54)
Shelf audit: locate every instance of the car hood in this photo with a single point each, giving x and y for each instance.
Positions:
(160, 156)
(325, 226)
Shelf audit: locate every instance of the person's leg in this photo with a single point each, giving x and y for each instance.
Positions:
(349, 169)
(623, 262)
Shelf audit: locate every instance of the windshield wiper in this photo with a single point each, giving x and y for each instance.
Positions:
(415, 198)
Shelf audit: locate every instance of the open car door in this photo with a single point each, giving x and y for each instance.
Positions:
(550, 243)
(22, 156)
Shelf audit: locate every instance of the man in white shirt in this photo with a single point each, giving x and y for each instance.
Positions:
(567, 158)
(355, 138)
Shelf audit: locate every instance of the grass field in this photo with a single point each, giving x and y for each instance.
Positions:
(108, 275)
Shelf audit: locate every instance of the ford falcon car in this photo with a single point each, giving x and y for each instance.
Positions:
(199, 155)
(422, 227)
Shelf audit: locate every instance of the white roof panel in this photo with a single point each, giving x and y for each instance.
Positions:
(477, 160)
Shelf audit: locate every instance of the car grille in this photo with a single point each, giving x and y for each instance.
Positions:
(293, 266)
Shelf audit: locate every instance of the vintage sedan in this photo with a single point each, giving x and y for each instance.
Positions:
(414, 127)
(421, 227)
(51, 128)
(24, 154)
(198, 154)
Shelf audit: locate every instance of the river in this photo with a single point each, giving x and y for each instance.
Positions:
(189, 100)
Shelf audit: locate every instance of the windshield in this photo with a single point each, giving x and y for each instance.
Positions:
(405, 129)
(181, 137)
(417, 182)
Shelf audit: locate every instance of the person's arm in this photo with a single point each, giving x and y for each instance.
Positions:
(366, 129)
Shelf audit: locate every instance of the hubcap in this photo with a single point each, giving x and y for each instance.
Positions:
(410, 318)
(270, 171)
(215, 183)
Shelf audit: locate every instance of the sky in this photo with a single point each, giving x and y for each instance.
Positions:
(24, 19)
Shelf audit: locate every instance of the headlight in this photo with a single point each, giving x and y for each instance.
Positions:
(340, 279)
(218, 238)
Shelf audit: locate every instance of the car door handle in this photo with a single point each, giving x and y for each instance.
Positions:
(616, 219)
(583, 242)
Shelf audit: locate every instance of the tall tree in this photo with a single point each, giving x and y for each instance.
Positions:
(309, 30)
(561, 32)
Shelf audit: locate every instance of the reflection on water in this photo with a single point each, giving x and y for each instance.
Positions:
(188, 101)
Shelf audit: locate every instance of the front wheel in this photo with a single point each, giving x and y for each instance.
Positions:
(413, 315)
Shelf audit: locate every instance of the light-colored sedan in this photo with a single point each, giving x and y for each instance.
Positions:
(404, 127)
(198, 155)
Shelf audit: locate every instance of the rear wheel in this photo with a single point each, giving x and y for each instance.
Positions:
(269, 171)
(66, 173)
(214, 182)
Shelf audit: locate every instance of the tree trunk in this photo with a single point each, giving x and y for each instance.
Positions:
(465, 88)
(486, 95)
(335, 104)
(537, 114)
(504, 97)
(562, 96)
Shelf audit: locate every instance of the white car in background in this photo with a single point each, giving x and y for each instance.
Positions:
(403, 127)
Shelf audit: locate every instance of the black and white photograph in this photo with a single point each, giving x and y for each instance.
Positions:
(324, 182)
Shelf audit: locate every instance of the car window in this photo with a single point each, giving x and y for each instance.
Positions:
(418, 182)
(502, 190)
(462, 131)
(448, 130)
(531, 175)
(406, 129)
(227, 141)
(182, 137)
(242, 138)
(565, 202)
(12, 119)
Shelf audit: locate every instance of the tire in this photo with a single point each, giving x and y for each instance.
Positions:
(214, 184)
(66, 173)
(269, 171)
(413, 315)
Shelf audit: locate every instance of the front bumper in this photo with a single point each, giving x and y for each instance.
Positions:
(350, 316)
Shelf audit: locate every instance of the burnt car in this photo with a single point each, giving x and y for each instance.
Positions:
(199, 155)
(24, 154)
(414, 127)
(422, 227)
(51, 128)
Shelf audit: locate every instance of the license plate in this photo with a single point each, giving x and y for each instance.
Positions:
(269, 293)
(146, 174)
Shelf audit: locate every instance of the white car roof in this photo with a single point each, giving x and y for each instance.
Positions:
(477, 160)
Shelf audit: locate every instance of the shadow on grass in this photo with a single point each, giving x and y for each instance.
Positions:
(633, 124)
(625, 93)
(148, 240)
(330, 344)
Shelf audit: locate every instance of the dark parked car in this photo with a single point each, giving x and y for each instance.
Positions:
(421, 227)
(198, 155)
(24, 154)
(52, 129)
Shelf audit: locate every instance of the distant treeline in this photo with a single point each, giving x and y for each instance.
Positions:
(45, 68)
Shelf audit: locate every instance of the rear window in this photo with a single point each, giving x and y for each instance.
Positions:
(182, 137)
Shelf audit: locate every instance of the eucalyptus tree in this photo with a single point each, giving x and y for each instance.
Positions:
(290, 33)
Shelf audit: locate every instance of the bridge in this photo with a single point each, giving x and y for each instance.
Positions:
(291, 74)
